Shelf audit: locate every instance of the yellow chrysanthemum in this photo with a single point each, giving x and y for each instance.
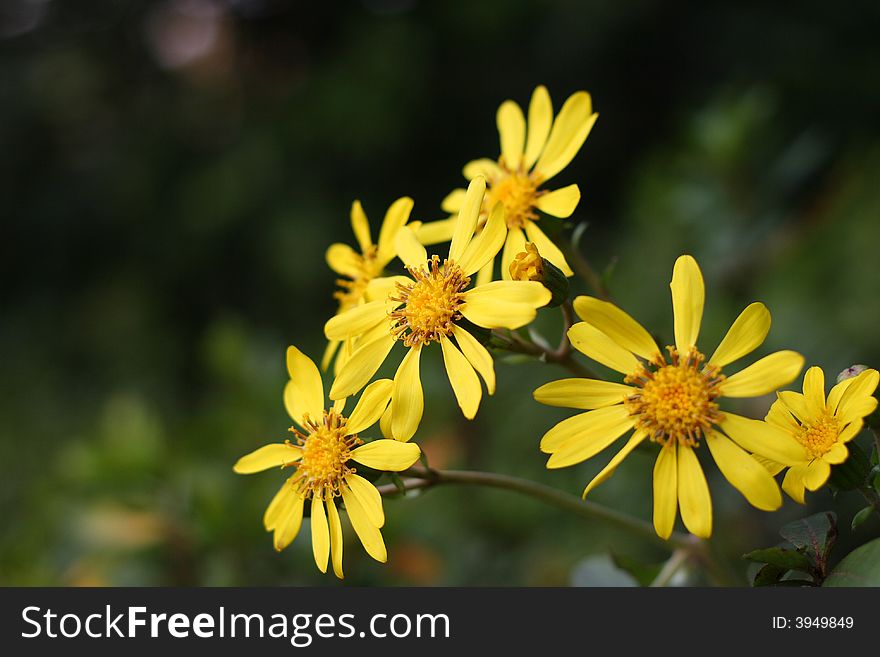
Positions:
(821, 427)
(360, 270)
(528, 160)
(322, 458)
(673, 402)
(427, 307)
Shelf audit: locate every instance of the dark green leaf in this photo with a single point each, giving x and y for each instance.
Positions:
(861, 567)
(769, 575)
(795, 582)
(398, 482)
(814, 534)
(861, 517)
(853, 472)
(781, 558)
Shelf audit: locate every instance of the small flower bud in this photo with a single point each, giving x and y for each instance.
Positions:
(850, 372)
(528, 265)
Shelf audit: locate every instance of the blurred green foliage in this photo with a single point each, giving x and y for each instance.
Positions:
(173, 172)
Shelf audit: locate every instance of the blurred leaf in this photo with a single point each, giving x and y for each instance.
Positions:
(853, 472)
(861, 567)
(861, 517)
(815, 534)
(769, 575)
(781, 558)
(644, 574)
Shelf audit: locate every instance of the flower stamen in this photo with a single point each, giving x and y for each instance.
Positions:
(326, 450)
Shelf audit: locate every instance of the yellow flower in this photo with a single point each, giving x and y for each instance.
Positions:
(821, 427)
(674, 403)
(322, 458)
(527, 161)
(360, 270)
(528, 265)
(427, 307)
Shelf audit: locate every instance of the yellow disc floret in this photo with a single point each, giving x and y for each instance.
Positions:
(675, 400)
(518, 193)
(819, 435)
(429, 304)
(326, 450)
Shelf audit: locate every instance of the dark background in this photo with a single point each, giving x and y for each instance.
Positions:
(172, 173)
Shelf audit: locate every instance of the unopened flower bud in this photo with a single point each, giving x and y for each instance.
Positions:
(850, 372)
(528, 265)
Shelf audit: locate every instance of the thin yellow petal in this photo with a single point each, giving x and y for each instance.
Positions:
(765, 375)
(320, 534)
(857, 409)
(856, 401)
(609, 469)
(586, 394)
(343, 259)
(335, 527)
(304, 394)
(287, 525)
(370, 406)
(588, 426)
(780, 416)
(793, 483)
(504, 304)
(395, 219)
(591, 342)
(850, 431)
(385, 424)
(513, 244)
(361, 227)
(452, 203)
(275, 455)
(356, 321)
(467, 218)
(688, 295)
(693, 494)
(477, 355)
(360, 368)
(744, 472)
(485, 274)
(484, 167)
(817, 474)
(795, 403)
(770, 466)
(561, 202)
(814, 390)
(512, 132)
(367, 532)
(407, 398)
(369, 497)
(387, 455)
(280, 506)
(617, 325)
(409, 249)
(764, 439)
(485, 246)
(569, 131)
(547, 248)
(540, 121)
(435, 232)
(329, 352)
(463, 379)
(665, 490)
(837, 454)
(745, 335)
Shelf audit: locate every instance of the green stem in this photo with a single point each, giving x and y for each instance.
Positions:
(582, 267)
(678, 559)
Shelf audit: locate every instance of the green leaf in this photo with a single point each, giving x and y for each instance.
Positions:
(398, 482)
(861, 517)
(815, 535)
(769, 575)
(861, 567)
(781, 558)
(853, 472)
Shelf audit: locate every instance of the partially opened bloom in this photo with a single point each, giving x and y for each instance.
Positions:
(323, 459)
(822, 427)
(360, 269)
(429, 307)
(673, 402)
(531, 154)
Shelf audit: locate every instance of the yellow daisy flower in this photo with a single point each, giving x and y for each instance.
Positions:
(322, 458)
(427, 307)
(360, 270)
(821, 427)
(673, 402)
(529, 158)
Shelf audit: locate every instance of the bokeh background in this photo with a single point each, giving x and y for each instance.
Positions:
(172, 173)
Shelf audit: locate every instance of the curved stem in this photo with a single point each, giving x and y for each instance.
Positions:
(678, 559)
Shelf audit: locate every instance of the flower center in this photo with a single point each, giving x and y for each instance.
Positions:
(518, 193)
(429, 304)
(353, 289)
(820, 435)
(676, 400)
(326, 450)
(527, 265)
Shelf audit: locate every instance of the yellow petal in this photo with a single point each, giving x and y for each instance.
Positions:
(367, 532)
(588, 426)
(477, 355)
(617, 325)
(435, 232)
(369, 497)
(770, 466)
(585, 394)
(836, 393)
(387, 455)
(385, 423)
(484, 167)
(693, 494)
(850, 431)
(765, 375)
(339, 405)
(547, 248)
(280, 506)
(287, 526)
(378, 289)
(512, 132)
(361, 367)
(817, 474)
(409, 249)
(688, 294)
(463, 379)
(745, 335)
(320, 534)
(609, 469)
(540, 120)
(591, 342)
(275, 455)
(504, 304)
(485, 274)
(329, 352)
(780, 416)
(485, 246)
(793, 483)
(857, 409)
(569, 131)
(795, 403)
(356, 321)
(561, 202)
(370, 406)
(467, 218)
(764, 439)
(837, 454)
(395, 219)
(335, 538)
(856, 401)
(304, 394)
(665, 490)
(361, 227)
(452, 203)
(515, 243)
(814, 390)
(407, 398)
(744, 472)
(344, 260)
